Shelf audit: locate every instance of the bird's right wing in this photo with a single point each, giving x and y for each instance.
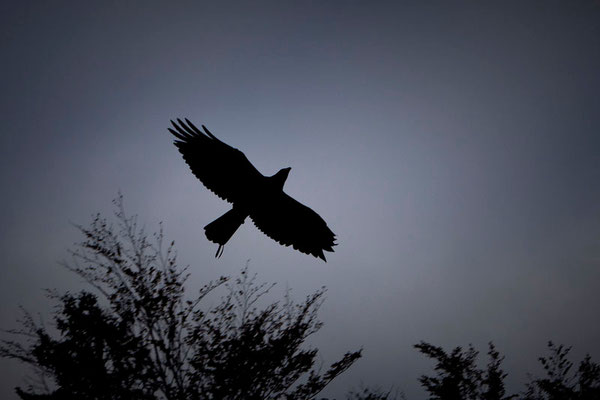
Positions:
(221, 168)
(289, 222)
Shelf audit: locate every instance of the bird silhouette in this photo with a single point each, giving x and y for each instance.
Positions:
(226, 171)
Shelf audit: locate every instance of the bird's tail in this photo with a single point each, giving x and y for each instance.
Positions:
(222, 229)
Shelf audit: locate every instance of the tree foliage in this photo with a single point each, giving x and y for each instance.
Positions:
(561, 382)
(369, 393)
(138, 336)
(458, 376)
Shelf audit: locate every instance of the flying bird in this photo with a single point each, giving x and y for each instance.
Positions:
(226, 171)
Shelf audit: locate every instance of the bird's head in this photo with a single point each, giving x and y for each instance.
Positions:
(281, 176)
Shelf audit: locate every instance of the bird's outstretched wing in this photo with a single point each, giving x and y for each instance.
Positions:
(290, 222)
(221, 168)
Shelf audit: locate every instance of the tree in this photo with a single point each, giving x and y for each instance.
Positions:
(367, 393)
(559, 383)
(458, 377)
(138, 336)
(493, 377)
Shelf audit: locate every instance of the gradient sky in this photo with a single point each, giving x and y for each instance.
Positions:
(453, 147)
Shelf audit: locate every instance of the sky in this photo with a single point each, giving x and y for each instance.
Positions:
(453, 147)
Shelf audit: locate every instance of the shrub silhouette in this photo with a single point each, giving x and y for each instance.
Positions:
(136, 336)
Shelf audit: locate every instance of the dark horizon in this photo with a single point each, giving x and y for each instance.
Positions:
(453, 149)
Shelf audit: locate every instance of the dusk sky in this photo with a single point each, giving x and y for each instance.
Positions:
(453, 147)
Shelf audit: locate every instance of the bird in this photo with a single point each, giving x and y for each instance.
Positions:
(228, 173)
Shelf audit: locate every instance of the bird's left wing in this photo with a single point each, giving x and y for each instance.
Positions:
(290, 222)
(221, 168)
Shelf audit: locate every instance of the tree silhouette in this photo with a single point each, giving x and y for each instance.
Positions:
(559, 383)
(458, 377)
(368, 393)
(493, 377)
(137, 336)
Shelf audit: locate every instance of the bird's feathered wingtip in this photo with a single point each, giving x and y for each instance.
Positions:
(186, 131)
(209, 133)
(322, 256)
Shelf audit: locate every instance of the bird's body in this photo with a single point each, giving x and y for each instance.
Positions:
(227, 172)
